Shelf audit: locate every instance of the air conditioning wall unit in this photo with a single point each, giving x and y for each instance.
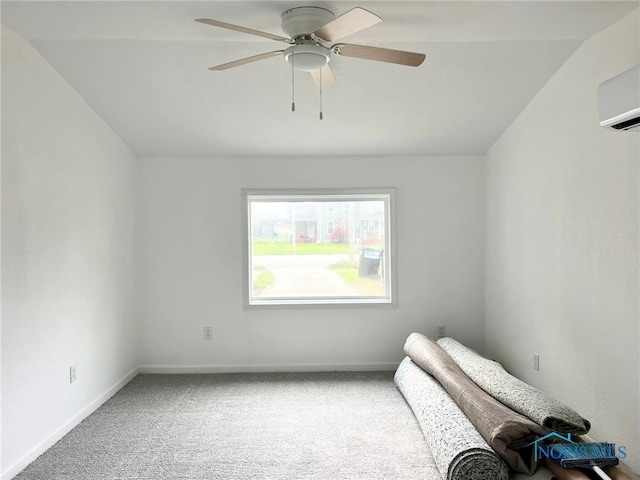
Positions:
(619, 101)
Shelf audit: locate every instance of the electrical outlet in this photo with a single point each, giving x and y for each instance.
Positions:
(441, 331)
(208, 333)
(72, 374)
(536, 361)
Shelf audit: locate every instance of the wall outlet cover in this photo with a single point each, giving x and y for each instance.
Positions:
(208, 333)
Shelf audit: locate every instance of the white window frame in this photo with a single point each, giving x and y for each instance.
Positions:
(336, 195)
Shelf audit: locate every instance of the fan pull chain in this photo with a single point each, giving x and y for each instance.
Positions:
(293, 89)
(320, 94)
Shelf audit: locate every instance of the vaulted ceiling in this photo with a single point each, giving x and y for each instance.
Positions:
(143, 67)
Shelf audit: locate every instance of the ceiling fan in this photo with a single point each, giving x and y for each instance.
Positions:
(311, 31)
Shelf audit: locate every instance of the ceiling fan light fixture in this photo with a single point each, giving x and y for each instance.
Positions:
(307, 57)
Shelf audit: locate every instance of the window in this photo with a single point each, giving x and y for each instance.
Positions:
(309, 247)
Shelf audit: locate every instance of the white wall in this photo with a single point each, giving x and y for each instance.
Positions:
(67, 256)
(190, 254)
(562, 244)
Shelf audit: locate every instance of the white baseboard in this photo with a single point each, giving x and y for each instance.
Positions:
(65, 428)
(358, 367)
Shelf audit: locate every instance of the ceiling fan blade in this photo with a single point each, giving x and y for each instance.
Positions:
(244, 61)
(238, 28)
(353, 21)
(388, 55)
(328, 78)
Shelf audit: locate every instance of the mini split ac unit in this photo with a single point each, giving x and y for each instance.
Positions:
(619, 101)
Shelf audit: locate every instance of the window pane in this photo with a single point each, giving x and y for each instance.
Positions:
(318, 248)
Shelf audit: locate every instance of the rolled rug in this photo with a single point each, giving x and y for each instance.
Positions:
(509, 433)
(459, 451)
(513, 392)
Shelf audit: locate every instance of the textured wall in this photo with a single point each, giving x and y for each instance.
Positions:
(562, 244)
(190, 254)
(67, 255)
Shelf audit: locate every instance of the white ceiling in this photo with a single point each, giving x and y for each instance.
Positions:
(142, 66)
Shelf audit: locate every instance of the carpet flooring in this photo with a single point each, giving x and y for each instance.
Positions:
(342, 425)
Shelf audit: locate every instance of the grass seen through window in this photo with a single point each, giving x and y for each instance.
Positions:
(286, 248)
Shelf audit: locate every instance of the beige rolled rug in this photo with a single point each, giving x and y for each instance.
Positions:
(513, 392)
(507, 432)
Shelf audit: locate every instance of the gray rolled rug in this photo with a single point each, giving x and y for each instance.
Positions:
(513, 392)
(509, 433)
(459, 451)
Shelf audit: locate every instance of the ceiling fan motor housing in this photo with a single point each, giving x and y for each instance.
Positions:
(304, 20)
